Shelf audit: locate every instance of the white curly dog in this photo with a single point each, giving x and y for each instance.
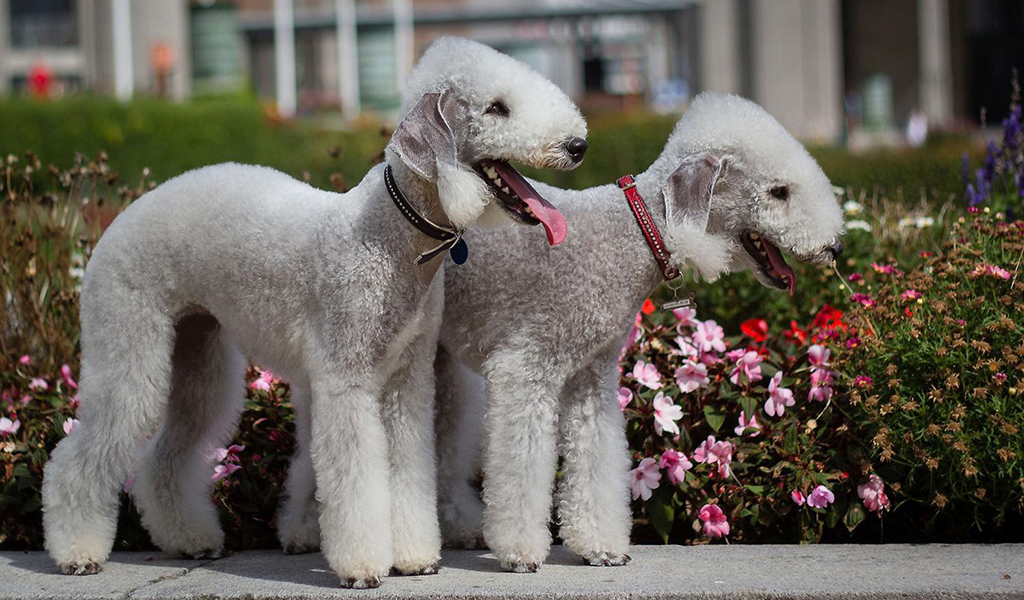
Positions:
(531, 336)
(231, 261)
(730, 189)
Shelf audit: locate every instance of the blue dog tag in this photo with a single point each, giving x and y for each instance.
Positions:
(460, 252)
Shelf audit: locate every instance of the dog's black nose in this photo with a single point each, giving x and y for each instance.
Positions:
(836, 249)
(576, 147)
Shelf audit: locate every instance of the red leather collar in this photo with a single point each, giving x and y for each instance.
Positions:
(643, 218)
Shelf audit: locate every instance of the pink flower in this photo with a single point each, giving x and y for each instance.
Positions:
(873, 494)
(748, 365)
(38, 384)
(69, 425)
(798, 497)
(686, 347)
(820, 388)
(25, 359)
(818, 355)
(990, 270)
(711, 451)
(223, 470)
(263, 382)
(853, 342)
(855, 277)
(820, 497)
(9, 427)
(65, 374)
(778, 397)
(676, 464)
(715, 523)
(625, 397)
(886, 269)
(999, 378)
(686, 315)
(644, 478)
(910, 295)
(745, 424)
(862, 381)
(647, 374)
(709, 336)
(75, 401)
(230, 453)
(691, 376)
(666, 413)
(863, 299)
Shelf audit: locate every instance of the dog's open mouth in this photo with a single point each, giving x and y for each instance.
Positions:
(769, 259)
(520, 200)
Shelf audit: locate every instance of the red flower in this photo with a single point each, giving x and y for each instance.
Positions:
(907, 311)
(648, 307)
(829, 318)
(795, 334)
(755, 329)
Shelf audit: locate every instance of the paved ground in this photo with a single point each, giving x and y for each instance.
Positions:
(669, 572)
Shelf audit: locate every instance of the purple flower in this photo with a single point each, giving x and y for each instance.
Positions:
(820, 497)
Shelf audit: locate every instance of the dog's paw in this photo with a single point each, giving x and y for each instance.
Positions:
(431, 569)
(608, 559)
(362, 583)
(205, 554)
(516, 566)
(85, 568)
(297, 548)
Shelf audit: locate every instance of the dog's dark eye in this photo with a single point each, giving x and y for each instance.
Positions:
(497, 108)
(780, 191)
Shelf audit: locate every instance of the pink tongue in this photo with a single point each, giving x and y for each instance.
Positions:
(544, 211)
(779, 263)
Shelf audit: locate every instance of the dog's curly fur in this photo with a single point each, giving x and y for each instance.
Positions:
(236, 260)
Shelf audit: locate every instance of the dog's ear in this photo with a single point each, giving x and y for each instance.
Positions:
(424, 139)
(690, 188)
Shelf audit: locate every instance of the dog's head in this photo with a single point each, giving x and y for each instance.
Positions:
(468, 112)
(739, 191)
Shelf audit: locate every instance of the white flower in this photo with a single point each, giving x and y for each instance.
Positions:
(858, 224)
(852, 207)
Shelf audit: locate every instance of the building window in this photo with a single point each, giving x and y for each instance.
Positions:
(43, 23)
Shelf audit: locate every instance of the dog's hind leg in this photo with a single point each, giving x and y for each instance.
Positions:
(520, 459)
(172, 487)
(408, 414)
(126, 357)
(459, 427)
(298, 525)
(594, 492)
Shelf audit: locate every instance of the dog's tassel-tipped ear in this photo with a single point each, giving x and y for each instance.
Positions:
(424, 139)
(690, 188)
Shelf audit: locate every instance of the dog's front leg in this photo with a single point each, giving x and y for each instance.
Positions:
(520, 459)
(594, 493)
(408, 414)
(350, 461)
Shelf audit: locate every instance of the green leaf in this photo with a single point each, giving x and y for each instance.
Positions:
(854, 516)
(749, 405)
(662, 513)
(757, 489)
(714, 417)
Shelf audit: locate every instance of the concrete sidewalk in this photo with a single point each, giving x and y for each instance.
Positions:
(704, 572)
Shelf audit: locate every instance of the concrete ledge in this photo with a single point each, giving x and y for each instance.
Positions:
(662, 572)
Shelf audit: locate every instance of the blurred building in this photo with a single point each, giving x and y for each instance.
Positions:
(825, 68)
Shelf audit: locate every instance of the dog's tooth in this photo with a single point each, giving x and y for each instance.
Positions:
(490, 172)
(505, 189)
(497, 181)
(529, 210)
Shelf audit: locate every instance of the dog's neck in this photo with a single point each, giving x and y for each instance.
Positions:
(423, 197)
